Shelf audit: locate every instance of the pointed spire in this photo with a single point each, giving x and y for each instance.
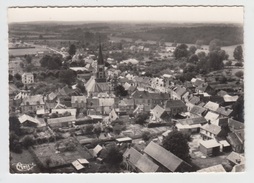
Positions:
(100, 56)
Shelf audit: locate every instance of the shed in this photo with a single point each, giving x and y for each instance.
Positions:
(209, 147)
(77, 165)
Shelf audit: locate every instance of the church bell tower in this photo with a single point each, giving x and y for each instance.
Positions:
(100, 74)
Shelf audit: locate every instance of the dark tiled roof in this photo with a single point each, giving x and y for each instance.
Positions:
(164, 157)
(192, 121)
(194, 100)
(235, 125)
(132, 155)
(197, 110)
(148, 95)
(174, 103)
(235, 158)
(233, 139)
(145, 164)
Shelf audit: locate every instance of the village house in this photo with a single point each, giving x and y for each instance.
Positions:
(143, 82)
(236, 135)
(61, 122)
(27, 78)
(197, 81)
(167, 161)
(126, 106)
(159, 115)
(136, 162)
(93, 104)
(179, 93)
(204, 88)
(211, 116)
(235, 159)
(32, 103)
(78, 102)
(28, 121)
(112, 116)
(51, 100)
(211, 106)
(15, 66)
(236, 140)
(149, 99)
(210, 131)
(106, 105)
(191, 125)
(174, 107)
(197, 111)
(64, 95)
(70, 111)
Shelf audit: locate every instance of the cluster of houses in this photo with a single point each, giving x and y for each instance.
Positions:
(195, 107)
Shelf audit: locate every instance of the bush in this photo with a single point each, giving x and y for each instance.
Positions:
(89, 129)
(146, 136)
(141, 118)
(229, 63)
(28, 141)
(239, 74)
(238, 64)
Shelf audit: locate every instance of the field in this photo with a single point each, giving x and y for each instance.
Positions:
(29, 51)
(50, 157)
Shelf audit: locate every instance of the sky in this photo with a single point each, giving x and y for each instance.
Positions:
(163, 14)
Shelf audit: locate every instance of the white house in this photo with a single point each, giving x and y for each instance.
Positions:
(27, 78)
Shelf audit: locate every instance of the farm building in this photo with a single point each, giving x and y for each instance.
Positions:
(209, 147)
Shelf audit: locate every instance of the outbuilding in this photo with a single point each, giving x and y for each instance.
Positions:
(209, 147)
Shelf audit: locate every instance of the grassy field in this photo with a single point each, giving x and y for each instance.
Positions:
(29, 51)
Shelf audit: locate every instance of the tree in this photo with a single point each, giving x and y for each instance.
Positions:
(17, 76)
(215, 44)
(193, 58)
(215, 60)
(28, 141)
(201, 55)
(89, 129)
(176, 143)
(141, 118)
(72, 49)
(239, 74)
(181, 51)
(192, 49)
(113, 156)
(67, 76)
(228, 63)
(82, 87)
(15, 146)
(146, 135)
(120, 91)
(238, 53)
(28, 59)
(14, 125)
(19, 84)
(238, 109)
(97, 130)
(51, 62)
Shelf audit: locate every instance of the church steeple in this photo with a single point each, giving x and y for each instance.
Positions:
(100, 56)
(100, 75)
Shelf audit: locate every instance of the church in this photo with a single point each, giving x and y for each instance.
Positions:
(98, 82)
